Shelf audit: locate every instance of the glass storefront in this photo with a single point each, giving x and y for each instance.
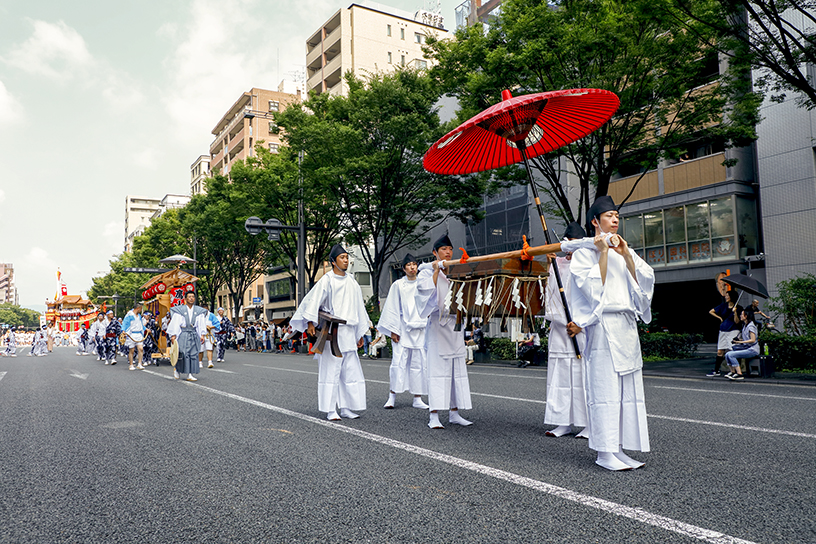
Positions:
(712, 230)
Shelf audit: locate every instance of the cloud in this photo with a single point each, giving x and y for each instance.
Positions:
(217, 58)
(147, 158)
(2, 195)
(54, 50)
(10, 109)
(114, 235)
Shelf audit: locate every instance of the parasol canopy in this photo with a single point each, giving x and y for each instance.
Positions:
(541, 122)
(177, 260)
(747, 284)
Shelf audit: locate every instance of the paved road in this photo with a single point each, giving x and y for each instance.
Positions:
(90, 453)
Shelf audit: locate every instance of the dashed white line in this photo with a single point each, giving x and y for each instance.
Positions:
(635, 514)
(732, 392)
(221, 370)
(2, 374)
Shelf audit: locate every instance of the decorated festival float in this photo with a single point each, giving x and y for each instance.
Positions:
(162, 292)
(68, 312)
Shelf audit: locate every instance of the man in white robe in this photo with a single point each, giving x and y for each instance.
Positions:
(188, 325)
(97, 334)
(448, 386)
(209, 341)
(566, 401)
(401, 321)
(612, 287)
(340, 381)
(134, 331)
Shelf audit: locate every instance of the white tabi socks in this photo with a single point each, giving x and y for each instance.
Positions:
(392, 400)
(348, 414)
(175, 374)
(191, 378)
(434, 422)
(583, 434)
(333, 416)
(456, 419)
(609, 461)
(561, 430)
(622, 457)
(419, 403)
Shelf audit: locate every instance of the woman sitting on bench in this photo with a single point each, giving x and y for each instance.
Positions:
(747, 344)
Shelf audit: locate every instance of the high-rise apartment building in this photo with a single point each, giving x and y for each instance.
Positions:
(470, 12)
(199, 171)
(170, 202)
(365, 38)
(138, 211)
(8, 291)
(246, 123)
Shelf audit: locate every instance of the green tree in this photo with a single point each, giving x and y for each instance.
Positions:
(119, 282)
(364, 153)
(216, 220)
(777, 36)
(635, 48)
(17, 316)
(271, 183)
(796, 303)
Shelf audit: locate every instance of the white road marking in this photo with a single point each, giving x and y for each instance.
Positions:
(635, 514)
(77, 374)
(2, 374)
(732, 426)
(221, 370)
(476, 373)
(732, 392)
(285, 369)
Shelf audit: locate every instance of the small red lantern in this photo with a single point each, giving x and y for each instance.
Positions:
(161, 287)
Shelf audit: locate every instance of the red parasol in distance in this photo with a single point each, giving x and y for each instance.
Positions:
(517, 129)
(542, 121)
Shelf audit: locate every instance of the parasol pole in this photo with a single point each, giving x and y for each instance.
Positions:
(533, 252)
(522, 147)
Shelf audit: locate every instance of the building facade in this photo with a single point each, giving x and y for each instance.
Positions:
(8, 290)
(246, 123)
(470, 12)
(138, 211)
(199, 171)
(366, 38)
(170, 202)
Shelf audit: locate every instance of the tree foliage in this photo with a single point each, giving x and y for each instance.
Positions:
(634, 48)
(17, 316)
(776, 37)
(796, 303)
(363, 152)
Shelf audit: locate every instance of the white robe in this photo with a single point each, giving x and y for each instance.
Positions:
(340, 380)
(401, 316)
(612, 360)
(566, 400)
(448, 385)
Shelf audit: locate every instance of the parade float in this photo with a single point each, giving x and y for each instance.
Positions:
(67, 312)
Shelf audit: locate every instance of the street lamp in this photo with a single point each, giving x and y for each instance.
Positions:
(115, 301)
(272, 227)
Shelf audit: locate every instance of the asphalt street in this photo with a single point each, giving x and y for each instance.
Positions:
(93, 453)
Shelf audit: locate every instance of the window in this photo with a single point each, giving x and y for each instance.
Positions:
(274, 105)
(363, 278)
(421, 64)
(273, 148)
(653, 231)
(388, 30)
(723, 245)
(273, 127)
(260, 291)
(419, 38)
(389, 57)
(402, 60)
(402, 33)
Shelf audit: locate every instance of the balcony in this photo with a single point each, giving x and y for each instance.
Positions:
(237, 144)
(315, 82)
(314, 58)
(647, 187)
(694, 173)
(332, 66)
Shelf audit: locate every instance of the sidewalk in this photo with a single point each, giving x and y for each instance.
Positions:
(697, 368)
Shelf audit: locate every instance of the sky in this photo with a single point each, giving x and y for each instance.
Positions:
(100, 99)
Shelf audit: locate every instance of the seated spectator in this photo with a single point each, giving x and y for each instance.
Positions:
(529, 350)
(746, 347)
(375, 346)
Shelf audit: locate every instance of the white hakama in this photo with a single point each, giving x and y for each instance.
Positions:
(566, 399)
(448, 385)
(613, 363)
(400, 316)
(340, 380)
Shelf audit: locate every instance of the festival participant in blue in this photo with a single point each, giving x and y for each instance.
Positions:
(188, 326)
(401, 321)
(611, 288)
(112, 332)
(151, 337)
(84, 341)
(448, 385)
(11, 344)
(134, 330)
(340, 380)
(97, 334)
(209, 341)
(223, 334)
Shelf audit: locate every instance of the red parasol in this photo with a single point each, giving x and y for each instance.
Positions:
(543, 121)
(517, 129)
